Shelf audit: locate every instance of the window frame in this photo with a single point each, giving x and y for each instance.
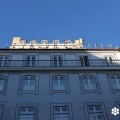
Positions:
(25, 106)
(108, 60)
(3, 60)
(110, 82)
(69, 106)
(117, 104)
(94, 104)
(5, 84)
(67, 90)
(84, 64)
(62, 62)
(30, 64)
(20, 88)
(59, 82)
(97, 90)
(2, 108)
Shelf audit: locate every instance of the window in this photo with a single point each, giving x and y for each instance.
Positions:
(26, 113)
(57, 61)
(3, 82)
(95, 112)
(115, 82)
(59, 83)
(89, 83)
(61, 113)
(3, 61)
(1, 111)
(30, 61)
(108, 60)
(84, 61)
(28, 84)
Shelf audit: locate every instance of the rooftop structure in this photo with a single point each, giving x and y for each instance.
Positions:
(19, 43)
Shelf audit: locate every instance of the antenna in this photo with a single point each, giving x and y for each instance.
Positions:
(0, 44)
(109, 45)
(6, 45)
(96, 46)
(102, 45)
(88, 45)
(84, 40)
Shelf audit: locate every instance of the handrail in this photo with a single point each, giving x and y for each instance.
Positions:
(59, 63)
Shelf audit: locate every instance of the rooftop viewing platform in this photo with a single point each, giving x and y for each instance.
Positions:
(19, 43)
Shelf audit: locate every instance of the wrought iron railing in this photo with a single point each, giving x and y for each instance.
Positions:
(60, 63)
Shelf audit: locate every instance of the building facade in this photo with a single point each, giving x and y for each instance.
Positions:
(58, 81)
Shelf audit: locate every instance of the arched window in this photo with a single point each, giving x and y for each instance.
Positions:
(115, 82)
(89, 82)
(2, 83)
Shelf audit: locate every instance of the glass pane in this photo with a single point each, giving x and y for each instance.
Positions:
(30, 117)
(30, 109)
(91, 116)
(26, 117)
(86, 61)
(22, 117)
(55, 85)
(1, 85)
(85, 84)
(119, 81)
(57, 117)
(65, 117)
(116, 84)
(91, 108)
(57, 109)
(55, 61)
(59, 58)
(1, 82)
(98, 109)
(61, 117)
(28, 58)
(1, 58)
(65, 109)
(6, 57)
(62, 85)
(60, 61)
(82, 61)
(92, 85)
(99, 117)
(32, 85)
(25, 81)
(1, 62)
(32, 63)
(23, 110)
(33, 58)
(25, 87)
(32, 82)
(5, 63)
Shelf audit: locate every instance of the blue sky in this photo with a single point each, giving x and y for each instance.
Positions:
(97, 21)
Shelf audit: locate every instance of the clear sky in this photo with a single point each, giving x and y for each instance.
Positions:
(97, 21)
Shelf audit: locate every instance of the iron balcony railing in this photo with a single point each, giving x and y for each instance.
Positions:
(59, 63)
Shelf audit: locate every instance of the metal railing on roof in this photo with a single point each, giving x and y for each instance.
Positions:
(59, 63)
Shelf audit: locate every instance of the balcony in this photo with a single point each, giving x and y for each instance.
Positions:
(99, 64)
